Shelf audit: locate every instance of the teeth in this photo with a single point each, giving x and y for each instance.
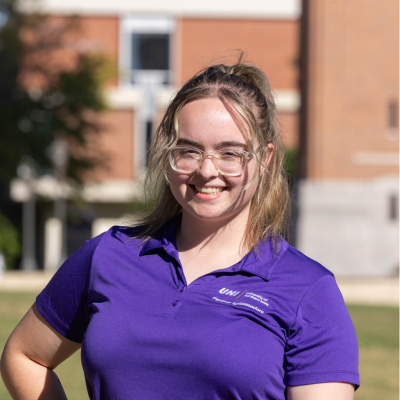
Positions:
(208, 190)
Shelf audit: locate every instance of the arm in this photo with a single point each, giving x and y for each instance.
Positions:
(33, 350)
(321, 350)
(322, 391)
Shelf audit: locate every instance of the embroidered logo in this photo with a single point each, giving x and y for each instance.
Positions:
(247, 294)
(229, 292)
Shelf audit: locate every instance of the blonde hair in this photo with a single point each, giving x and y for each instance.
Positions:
(244, 90)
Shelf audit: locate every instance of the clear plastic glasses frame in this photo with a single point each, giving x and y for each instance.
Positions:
(228, 162)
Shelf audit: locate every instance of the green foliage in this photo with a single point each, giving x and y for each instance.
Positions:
(9, 241)
(291, 162)
(50, 88)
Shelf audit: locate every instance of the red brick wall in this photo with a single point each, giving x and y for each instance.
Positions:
(101, 34)
(289, 128)
(117, 142)
(93, 34)
(352, 75)
(272, 45)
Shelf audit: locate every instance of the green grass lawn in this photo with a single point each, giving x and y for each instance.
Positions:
(378, 338)
(13, 306)
(377, 330)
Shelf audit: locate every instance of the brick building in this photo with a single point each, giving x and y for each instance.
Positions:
(156, 46)
(348, 201)
(344, 123)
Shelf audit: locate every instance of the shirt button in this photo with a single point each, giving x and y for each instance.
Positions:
(174, 303)
(182, 290)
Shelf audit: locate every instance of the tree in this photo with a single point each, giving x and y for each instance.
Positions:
(49, 89)
(9, 241)
(50, 93)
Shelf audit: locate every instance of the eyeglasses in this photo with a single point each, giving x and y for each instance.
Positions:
(227, 162)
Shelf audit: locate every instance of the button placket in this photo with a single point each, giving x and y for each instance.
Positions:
(176, 301)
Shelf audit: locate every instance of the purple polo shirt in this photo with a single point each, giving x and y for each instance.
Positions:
(245, 332)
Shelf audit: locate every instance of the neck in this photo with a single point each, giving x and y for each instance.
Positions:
(202, 234)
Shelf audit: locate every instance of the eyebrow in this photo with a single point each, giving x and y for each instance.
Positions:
(221, 145)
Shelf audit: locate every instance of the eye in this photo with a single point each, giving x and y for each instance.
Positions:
(230, 154)
(189, 150)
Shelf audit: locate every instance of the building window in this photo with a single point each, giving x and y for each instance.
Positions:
(145, 49)
(150, 51)
(393, 120)
(145, 64)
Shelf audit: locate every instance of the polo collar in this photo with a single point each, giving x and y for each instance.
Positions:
(260, 263)
(165, 238)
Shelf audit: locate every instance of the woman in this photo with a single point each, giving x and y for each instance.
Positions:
(203, 300)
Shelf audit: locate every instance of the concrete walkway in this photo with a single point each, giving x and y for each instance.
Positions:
(374, 291)
(21, 281)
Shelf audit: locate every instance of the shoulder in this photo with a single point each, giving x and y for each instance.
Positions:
(279, 260)
(130, 236)
(295, 274)
(296, 262)
(119, 245)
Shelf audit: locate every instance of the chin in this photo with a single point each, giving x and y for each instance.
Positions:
(212, 215)
(202, 213)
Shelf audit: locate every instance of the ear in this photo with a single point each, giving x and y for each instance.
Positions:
(268, 157)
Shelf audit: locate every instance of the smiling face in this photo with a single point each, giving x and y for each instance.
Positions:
(206, 194)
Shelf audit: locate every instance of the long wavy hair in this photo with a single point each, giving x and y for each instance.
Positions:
(244, 89)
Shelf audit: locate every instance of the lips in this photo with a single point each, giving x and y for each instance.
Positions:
(208, 190)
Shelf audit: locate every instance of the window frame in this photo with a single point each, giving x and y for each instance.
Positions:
(143, 24)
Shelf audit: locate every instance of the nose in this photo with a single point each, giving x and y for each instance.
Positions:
(207, 168)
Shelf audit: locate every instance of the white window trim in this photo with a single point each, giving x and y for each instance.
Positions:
(140, 24)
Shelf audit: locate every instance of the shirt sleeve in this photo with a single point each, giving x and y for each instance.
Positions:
(322, 343)
(63, 302)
